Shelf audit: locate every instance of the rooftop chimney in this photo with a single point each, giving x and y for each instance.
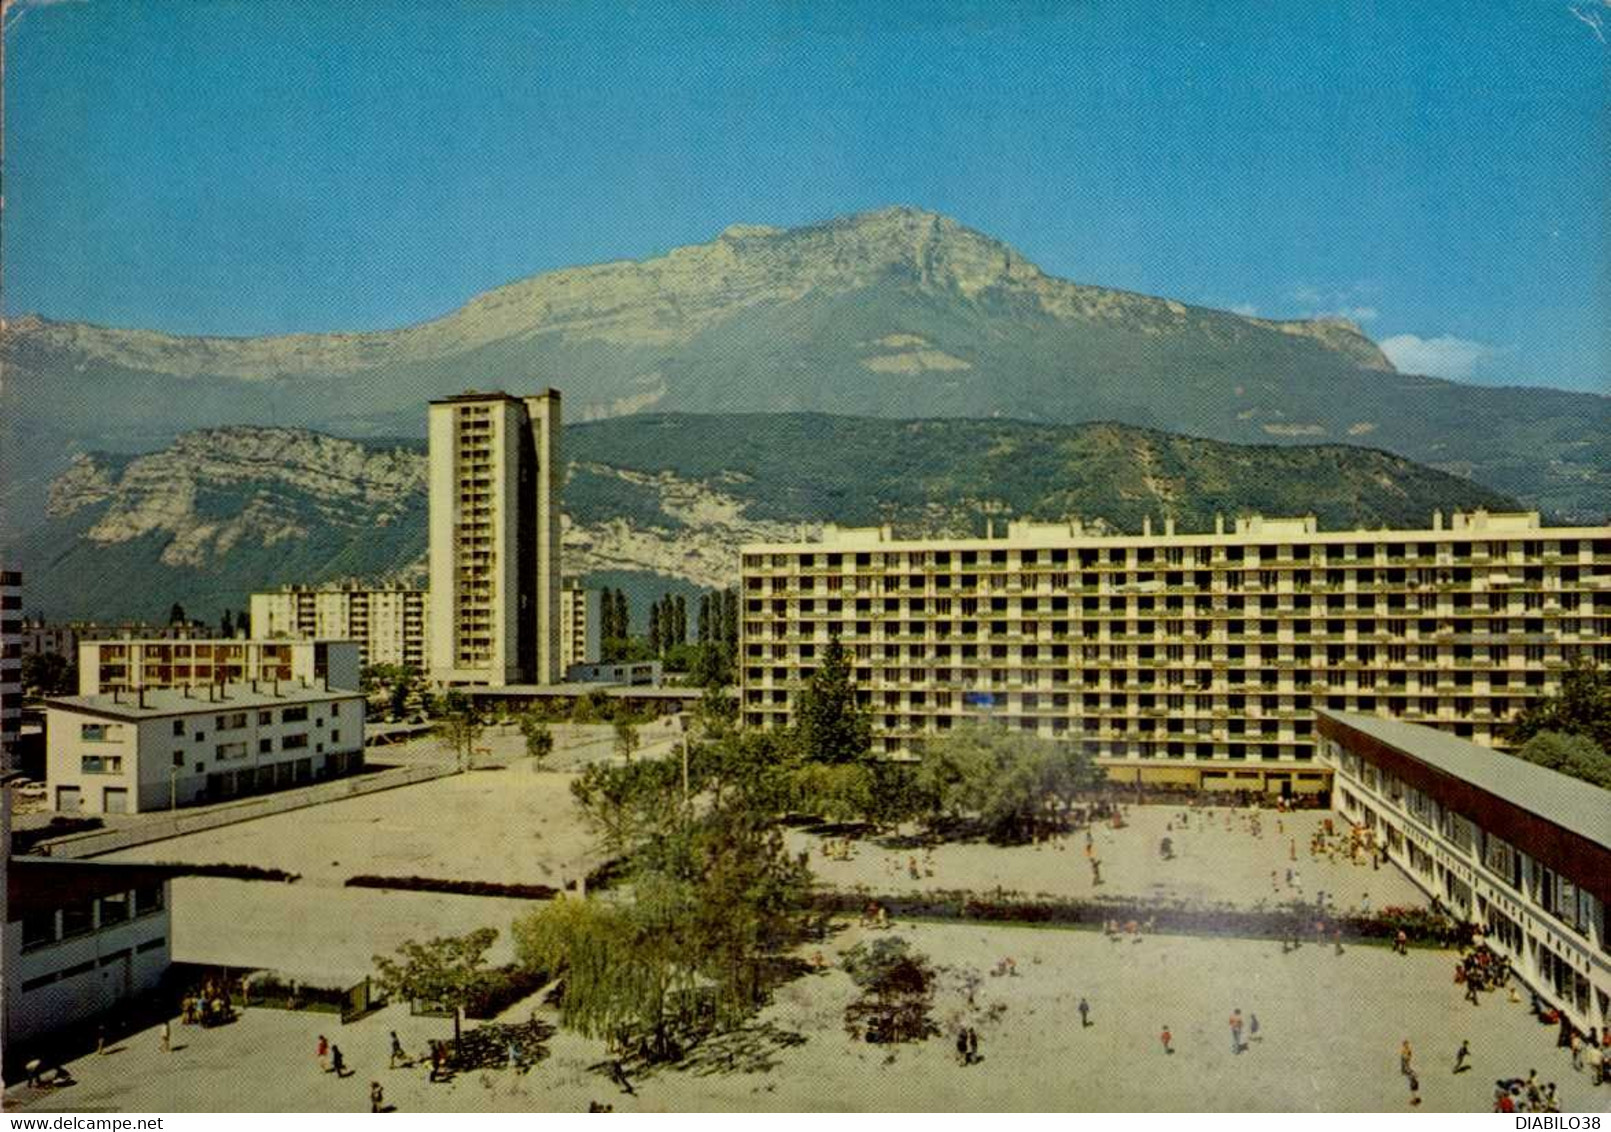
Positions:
(1146, 526)
(1169, 526)
(1437, 520)
(1219, 524)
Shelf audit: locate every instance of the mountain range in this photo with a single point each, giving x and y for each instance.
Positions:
(897, 313)
(658, 501)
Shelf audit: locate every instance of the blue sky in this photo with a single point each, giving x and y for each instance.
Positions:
(1439, 172)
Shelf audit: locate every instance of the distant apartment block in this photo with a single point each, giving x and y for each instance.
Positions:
(134, 752)
(580, 620)
(80, 939)
(116, 666)
(1196, 659)
(42, 638)
(495, 479)
(390, 623)
(1518, 849)
(10, 664)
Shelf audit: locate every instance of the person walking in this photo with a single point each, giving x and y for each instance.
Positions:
(397, 1052)
(338, 1063)
(377, 1096)
(1167, 1038)
(323, 1051)
(167, 1036)
(962, 1045)
(1415, 1090)
(1577, 1051)
(1085, 1011)
(1471, 992)
(1253, 1028)
(973, 1046)
(1405, 1055)
(1236, 1030)
(1595, 1060)
(100, 1038)
(1462, 1056)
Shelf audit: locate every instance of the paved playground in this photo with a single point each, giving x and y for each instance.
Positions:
(1330, 1028)
(1217, 858)
(509, 822)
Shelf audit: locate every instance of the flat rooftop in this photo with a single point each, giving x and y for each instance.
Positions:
(470, 396)
(1460, 527)
(298, 642)
(160, 702)
(582, 688)
(1574, 805)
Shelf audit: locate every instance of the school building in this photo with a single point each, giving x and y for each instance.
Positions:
(1521, 850)
(80, 937)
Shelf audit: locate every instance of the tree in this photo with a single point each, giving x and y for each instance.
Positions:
(226, 624)
(679, 620)
(458, 726)
(592, 708)
(717, 710)
(897, 992)
(1576, 755)
(539, 739)
(404, 678)
(1010, 782)
(48, 674)
(831, 726)
(730, 620)
(626, 739)
(1581, 707)
(624, 805)
(750, 769)
(176, 614)
(443, 972)
(656, 632)
(617, 975)
(703, 626)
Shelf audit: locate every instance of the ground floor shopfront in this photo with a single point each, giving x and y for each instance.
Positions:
(1309, 784)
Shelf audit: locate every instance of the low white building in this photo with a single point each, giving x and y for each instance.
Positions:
(1520, 850)
(634, 673)
(129, 664)
(155, 750)
(80, 937)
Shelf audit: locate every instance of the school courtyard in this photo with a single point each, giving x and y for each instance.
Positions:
(1330, 1025)
(1217, 858)
(1330, 1028)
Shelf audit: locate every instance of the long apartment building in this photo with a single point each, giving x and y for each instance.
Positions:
(495, 478)
(1518, 849)
(115, 666)
(390, 623)
(1197, 659)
